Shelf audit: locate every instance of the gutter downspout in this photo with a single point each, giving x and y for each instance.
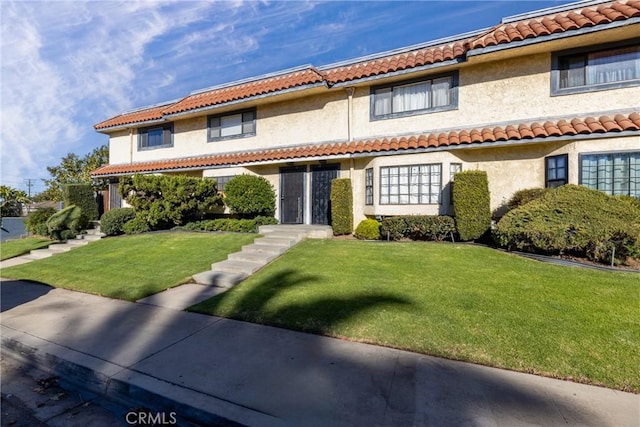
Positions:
(350, 91)
(130, 145)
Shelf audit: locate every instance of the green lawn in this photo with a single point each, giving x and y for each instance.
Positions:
(19, 247)
(456, 301)
(132, 267)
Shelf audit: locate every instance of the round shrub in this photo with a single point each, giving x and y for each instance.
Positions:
(368, 229)
(250, 196)
(574, 220)
(136, 226)
(112, 222)
(36, 222)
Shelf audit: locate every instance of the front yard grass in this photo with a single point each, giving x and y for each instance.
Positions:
(456, 301)
(132, 267)
(19, 247)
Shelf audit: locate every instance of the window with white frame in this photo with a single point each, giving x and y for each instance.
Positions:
(409, 185)
(155, 137)
(613, 173)
(412, 97)
(235, 125)
(597, 68)
(368, 186)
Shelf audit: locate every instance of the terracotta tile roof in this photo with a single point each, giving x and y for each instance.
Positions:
(138, 116)
(517, 132)
(561, 22)
(501, 34)
(267, 85)
(398, 62)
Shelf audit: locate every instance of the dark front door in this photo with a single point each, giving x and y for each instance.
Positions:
(292, 195)
(321, 177)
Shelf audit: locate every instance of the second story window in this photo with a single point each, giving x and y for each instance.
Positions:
(596, 69)
(155, 137)
(414, 97)
(235, 125)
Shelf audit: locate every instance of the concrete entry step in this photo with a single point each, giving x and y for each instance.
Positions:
(272, 241)
(231, 266)
(60, 247)
(310, 231)
(269, 249)
(40, 254)
(253, 256)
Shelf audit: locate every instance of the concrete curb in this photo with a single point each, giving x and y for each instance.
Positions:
(124, 386)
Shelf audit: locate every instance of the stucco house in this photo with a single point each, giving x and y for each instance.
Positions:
(540, 99)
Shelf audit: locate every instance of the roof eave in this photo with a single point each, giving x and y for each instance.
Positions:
(551, 37)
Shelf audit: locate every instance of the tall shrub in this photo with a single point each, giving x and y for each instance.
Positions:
(341, 206)
(82, 196)
(250, 196)
(471, 204)
(164, 201)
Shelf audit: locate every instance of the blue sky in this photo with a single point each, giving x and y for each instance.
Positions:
(66, 66)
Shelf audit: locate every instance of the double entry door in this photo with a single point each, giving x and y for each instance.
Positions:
(292, 193)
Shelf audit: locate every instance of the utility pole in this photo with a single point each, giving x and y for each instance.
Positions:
(30, 182)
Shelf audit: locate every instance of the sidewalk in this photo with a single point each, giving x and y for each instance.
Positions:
(219, 371)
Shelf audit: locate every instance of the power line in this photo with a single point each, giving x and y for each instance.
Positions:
(30, 183)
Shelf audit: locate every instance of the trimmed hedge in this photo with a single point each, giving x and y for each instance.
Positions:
(471, 204)
(368, 229)
(231, 224)
(136, 225)
(164, 201)
(574, 220)
(112, 222)
(525, 196)
(418, 227)
(82, 196)
(65, 224)
(36, 222)
(250, 196)
(341, 206)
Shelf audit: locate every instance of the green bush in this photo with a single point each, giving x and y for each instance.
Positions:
(471, 204)
(341, 206)
(250, 196)
(82, 196)
(65, 223)
(418, 227)
(136, 226)
(368, 229)
(112, 222)
(574, 220)
(165, 201)
(231, 224)
(527, 195)
(36, 222)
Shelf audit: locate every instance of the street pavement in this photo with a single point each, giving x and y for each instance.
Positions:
(215, 371)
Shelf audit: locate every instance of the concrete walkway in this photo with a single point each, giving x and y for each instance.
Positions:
(217, 371)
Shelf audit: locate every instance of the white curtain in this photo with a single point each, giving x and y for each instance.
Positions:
(231, 125)
(411, 97)
(441, 94)
(614, 65)
(382, 102)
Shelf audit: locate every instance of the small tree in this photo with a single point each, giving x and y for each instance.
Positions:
(164, 201)
(341, 206)
(471, 204)
(250, 196)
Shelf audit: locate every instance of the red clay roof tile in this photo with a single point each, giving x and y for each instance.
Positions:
(500, 34)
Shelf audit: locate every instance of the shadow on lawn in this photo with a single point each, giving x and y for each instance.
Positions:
(318, 315)
(289, 377)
